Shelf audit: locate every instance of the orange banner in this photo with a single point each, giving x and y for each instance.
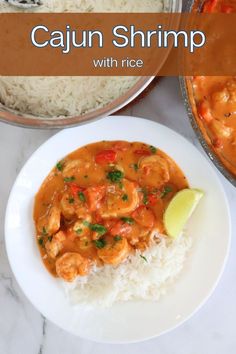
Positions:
(117, 44)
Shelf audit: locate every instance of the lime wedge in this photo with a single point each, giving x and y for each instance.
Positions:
(180, 209)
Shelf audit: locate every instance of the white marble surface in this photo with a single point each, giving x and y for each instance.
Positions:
(24, 331)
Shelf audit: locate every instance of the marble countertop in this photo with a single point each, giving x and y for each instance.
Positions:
(22, 328)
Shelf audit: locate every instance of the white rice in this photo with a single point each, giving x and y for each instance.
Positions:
(135, 279)
(70, 96)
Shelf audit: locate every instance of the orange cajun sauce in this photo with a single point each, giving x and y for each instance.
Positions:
(102, 202)
(215, 98)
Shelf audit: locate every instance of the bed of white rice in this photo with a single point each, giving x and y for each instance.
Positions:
(137, 278)
(70, 96)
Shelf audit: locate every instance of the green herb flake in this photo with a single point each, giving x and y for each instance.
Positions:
(60, 165)
(153, 149)
(166, 191)
(81, 196)
(69, 179)
(128, 220)
(135, 167)
(101, 243)
(41, 241)
(71, 200)
(79, 231)
(125, 197)
(117, 238)
(115, 176)
(86, 223)
(100, 229)
(145, 196)
(86, 243)
(50, 238)
(120, 185)
(44, 231)
(144, 258)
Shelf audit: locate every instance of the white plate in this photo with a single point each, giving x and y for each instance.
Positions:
(132, 321)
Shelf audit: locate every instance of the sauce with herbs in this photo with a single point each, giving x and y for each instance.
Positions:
(215, 98)
(102, 202)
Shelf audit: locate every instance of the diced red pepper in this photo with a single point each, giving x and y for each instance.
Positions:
(205, 112)
(210, 6)
(74, 188)
(120, 228)
(94, 195)
(227, 9)
(152, 199)
(142, 152)
(97, 217)
(217, 143)
(105, 156)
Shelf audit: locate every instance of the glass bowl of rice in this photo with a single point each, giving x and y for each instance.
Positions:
(58, 102)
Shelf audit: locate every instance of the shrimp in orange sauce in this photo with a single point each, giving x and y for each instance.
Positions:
(101, 203)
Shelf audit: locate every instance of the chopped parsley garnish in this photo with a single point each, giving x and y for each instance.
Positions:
(153, 149)
(60, 165)
(145, 196)
(71, 200)
(120, 185)
(100, 229)
(79, 231)
(44, 231)
(86, 243)
(69, 179)
(50, 238)
(81, 196)
(125, 197)
(135, 167)
(101, 243)
(144, 258)
(40, 241)
(86, 223)
(117, 238)
(166, 191)
(128, 220)
(115, 176)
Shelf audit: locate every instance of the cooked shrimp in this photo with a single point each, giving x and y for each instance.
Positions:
(155, 170)
(81, 229)
(219, 129)
(54, 246)
(131, 232)
(94, 195)
(71, 207)
(83, 213)
(50, 223)
(114, 251)
(72, 264)
(67, 208)
(115, 204)
(144, 216)
(71, 168)
(225, 97)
